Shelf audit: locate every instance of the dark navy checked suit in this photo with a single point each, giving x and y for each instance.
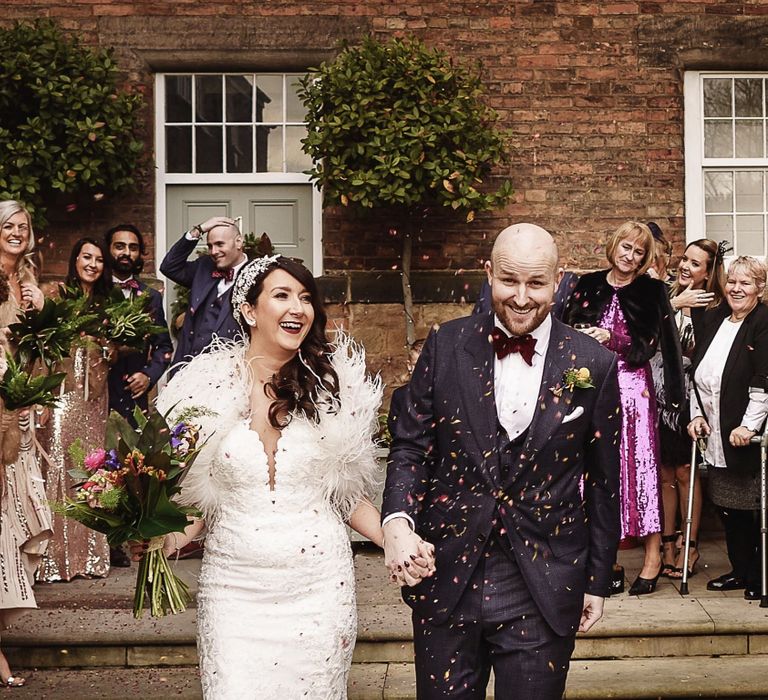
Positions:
(516, 544)
(208, 313)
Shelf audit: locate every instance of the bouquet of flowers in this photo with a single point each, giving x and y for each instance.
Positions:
(125, 491)
(126, 322)
(42, 336)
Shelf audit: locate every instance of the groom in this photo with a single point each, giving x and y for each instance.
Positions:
(509, 418)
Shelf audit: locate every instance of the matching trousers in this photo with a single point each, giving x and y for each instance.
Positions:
(496, 625)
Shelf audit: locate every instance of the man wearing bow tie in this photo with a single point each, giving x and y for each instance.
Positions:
(210, 279)
(134, 373)
(490, 457)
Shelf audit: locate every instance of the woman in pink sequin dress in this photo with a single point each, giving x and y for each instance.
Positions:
(629, 313)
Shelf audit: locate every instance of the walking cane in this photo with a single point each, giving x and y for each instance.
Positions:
(689, 520)
(762, 440)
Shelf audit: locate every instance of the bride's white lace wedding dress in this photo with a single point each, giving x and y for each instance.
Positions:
(276, 603)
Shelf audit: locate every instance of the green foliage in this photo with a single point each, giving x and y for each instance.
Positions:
(398, 124)
(64, 125)
(19, 389)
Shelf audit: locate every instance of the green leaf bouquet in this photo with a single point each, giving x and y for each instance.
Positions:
(125, 490)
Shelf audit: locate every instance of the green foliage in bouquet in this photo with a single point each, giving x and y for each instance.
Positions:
(125, 491)
(19, 389)
(127, 321)
(47, 334)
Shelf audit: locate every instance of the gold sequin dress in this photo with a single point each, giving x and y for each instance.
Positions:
(74, 550)
(25, 520)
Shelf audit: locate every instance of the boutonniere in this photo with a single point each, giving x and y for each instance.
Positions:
(574, 378)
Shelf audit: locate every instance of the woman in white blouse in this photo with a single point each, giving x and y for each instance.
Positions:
(728, 407)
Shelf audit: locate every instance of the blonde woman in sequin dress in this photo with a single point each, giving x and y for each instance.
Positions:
(81, 414)
(24, 517)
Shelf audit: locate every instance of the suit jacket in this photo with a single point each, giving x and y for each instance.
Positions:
(746, 367)
(444, 471)
(196, 276)
(152, 362)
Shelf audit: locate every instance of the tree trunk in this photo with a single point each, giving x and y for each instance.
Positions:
(410, 331)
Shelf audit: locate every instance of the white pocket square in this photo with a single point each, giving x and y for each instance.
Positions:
(574, 414)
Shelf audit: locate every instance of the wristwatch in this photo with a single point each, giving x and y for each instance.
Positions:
(199, 229)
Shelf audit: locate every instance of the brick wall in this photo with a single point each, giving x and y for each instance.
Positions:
(592, 92)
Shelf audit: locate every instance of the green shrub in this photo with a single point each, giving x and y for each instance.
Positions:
(65, 127)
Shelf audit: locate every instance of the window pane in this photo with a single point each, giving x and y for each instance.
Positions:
(269, 98)
(718, 192)
(269, 149)
(748, 97)
(208, 98)
(749, 191)
(717, 97)
(239, 98)
(749, 235)
(718, 139)
(239, 149)
(294, 109)
(749, 138)
(178, 98)
(296, 160)
(208, 149)
(178, 149)
(720, 228)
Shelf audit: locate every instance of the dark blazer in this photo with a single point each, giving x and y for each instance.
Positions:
(650, 319)
(196, 276)
(747, 366)
(152, 362)
(444, 471)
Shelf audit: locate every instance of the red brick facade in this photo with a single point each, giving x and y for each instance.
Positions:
(592, 92)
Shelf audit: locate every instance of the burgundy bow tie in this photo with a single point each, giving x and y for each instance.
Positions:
(504, 345)
(129, 284)
(226, 275)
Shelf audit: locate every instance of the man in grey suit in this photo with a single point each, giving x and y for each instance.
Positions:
(505, 457)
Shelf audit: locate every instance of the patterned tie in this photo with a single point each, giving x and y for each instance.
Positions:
(503, 345)
(226, 275)
(131, 284)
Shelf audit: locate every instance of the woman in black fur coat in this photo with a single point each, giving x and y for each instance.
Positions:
(629, 312)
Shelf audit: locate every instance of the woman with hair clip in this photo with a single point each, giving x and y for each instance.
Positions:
(25, 520)
(81, 414)
(289, 420)
(699, 287)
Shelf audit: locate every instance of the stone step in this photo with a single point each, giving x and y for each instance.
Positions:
(632, 679)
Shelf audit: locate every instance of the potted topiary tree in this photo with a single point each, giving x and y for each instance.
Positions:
(65, 126)
(399, 125)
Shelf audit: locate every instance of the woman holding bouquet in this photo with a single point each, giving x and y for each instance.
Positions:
(24, 517)
(81, 414)
(289, 420)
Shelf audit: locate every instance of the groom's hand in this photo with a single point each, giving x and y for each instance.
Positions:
(592, 612)
(408, 557)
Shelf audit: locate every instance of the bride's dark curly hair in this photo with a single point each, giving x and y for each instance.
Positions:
(296, 385)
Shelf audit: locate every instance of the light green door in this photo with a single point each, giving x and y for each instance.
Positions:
(283, 212)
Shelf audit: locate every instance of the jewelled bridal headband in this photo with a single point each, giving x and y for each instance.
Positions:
(244, 281)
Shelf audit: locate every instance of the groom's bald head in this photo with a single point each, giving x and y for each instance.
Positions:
(523, 276)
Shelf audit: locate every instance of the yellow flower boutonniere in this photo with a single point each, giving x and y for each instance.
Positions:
(574, 378)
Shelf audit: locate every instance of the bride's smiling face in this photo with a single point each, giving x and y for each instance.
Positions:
(283, 313)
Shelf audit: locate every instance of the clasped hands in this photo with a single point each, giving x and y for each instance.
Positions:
(407, 556)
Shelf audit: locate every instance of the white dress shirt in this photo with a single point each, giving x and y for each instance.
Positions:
(516, 387)
(116, 281)
(516, 383)
(709, 377)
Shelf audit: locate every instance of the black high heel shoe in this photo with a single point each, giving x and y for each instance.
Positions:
(644, 586)
(668, 570)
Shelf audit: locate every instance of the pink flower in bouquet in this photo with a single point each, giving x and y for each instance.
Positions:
(95, 460)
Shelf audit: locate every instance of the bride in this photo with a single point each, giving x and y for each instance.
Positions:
(290, 421)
